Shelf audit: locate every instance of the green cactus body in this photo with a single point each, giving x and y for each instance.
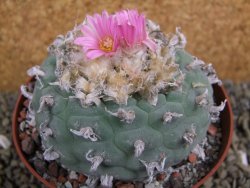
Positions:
(115, 139)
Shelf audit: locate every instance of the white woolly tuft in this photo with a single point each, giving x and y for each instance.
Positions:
(152, 166)
(197, 63)
(50, 155)
(87, 133)
(106, 181)
(25, 92)
(45, 100)
(30, 117)
(36, 71)
(215, 111)
(45, 131)
(190, 135)
(211, 74)
(199, 151)
(127, 116)
(92, 182)
(95, 160)
(202, 99)
(198, 84)
(139, 147)
(168, 116)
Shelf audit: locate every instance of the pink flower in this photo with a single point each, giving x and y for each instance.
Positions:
(132, 29)
(100, 36)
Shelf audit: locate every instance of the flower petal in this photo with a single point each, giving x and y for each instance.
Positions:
(92, 54)
(132, 28)
(95, 30)
(87, 42)
(150, 43)
(87, 30)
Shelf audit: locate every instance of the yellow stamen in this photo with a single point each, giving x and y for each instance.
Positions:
(106, 44)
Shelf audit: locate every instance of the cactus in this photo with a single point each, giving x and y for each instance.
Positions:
(130, 139)
(115, 140)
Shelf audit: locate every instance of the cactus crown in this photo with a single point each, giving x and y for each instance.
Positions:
(130, 70)
(118, 99)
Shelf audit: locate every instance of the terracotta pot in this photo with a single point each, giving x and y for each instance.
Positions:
(226, 123)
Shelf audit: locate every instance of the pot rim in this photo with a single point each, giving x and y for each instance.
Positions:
(217, 164)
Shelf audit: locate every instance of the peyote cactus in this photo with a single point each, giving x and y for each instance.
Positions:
(128, 112)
